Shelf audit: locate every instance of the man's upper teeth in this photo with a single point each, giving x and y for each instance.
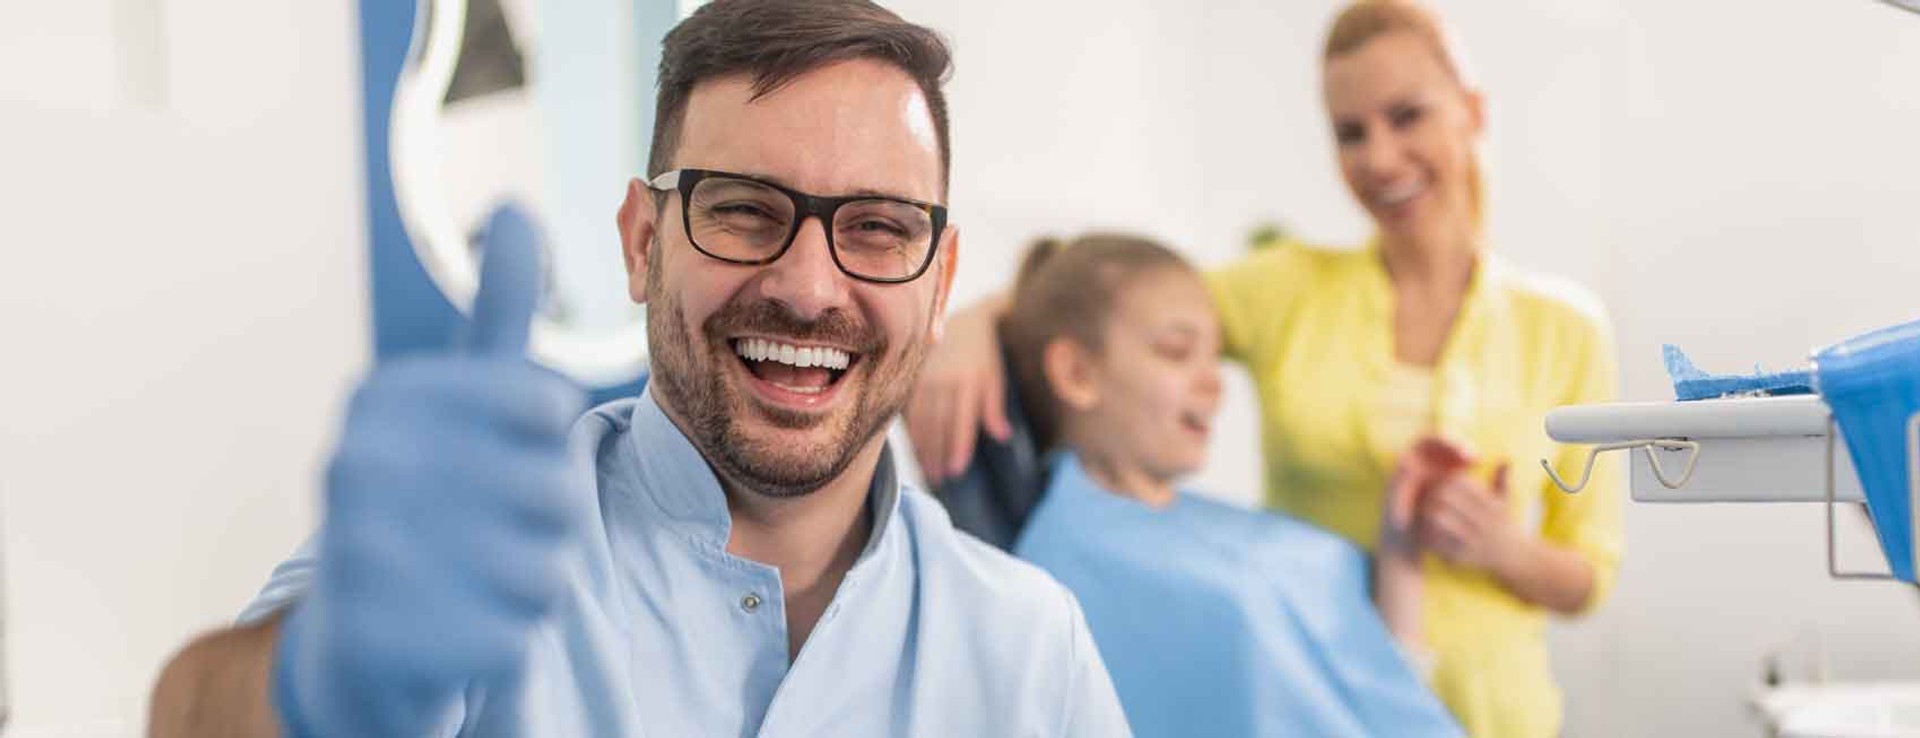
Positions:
(760, 349)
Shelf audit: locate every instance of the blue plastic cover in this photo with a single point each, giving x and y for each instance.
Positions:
(1690, 383)
(1872, 384)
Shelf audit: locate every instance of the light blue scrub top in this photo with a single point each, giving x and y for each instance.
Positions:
(1215, 620)
(666, 634)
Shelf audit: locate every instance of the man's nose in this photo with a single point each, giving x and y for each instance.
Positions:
(805, 278)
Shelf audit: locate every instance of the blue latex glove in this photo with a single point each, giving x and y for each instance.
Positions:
(451, 506)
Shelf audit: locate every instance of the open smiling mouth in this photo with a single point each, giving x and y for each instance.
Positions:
(794, 374)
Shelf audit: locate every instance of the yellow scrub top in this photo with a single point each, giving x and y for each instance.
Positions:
(1315, 329)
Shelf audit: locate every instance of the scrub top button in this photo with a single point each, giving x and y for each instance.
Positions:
(750, 603)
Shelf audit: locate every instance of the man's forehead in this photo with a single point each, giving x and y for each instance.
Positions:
(851, 127)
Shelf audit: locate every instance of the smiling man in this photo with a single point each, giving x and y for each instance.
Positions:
(730, 553)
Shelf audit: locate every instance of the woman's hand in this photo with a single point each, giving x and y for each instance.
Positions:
(1469, 523)
(1434, 505)
(1430, 463)
(962, 388)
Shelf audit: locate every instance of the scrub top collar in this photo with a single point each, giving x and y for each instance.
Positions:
(677, 478)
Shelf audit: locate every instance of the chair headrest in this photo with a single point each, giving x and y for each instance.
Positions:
(1002, 482)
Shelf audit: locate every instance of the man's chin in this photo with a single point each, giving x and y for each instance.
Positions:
(784, 470)
(781, 448)
(783, 453)
(791, 439)
(771, 420)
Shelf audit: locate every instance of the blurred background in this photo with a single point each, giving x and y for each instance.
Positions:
(184, 292)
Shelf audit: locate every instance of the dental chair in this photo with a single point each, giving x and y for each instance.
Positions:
(994, 496)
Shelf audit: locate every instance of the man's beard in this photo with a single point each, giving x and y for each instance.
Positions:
(693, 382)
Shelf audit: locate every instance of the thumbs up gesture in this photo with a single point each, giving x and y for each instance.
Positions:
(451, 506)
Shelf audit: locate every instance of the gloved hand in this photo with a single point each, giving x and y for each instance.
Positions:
(451, 507)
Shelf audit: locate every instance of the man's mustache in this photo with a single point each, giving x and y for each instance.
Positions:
(772, 318)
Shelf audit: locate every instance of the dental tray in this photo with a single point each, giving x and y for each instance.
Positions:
(1758, 449)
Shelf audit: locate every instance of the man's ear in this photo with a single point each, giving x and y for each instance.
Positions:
(1069, 370)
(636, 221)
(945, 261)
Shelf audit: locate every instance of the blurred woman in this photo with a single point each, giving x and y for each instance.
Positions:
(1357, 355)
(1212, 620)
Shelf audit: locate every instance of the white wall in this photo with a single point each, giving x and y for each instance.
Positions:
(183, 287)
(182, 301)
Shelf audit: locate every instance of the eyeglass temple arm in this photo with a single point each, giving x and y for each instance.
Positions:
(668, 180)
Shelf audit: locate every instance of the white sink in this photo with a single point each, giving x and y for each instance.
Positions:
(1842, 710)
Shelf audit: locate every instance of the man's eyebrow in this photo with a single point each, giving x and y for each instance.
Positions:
(765, 177)
(860, 192)
(869, 192)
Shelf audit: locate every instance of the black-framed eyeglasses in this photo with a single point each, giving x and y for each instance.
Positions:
(740, 219)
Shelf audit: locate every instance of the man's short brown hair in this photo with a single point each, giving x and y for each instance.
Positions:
(779, 40)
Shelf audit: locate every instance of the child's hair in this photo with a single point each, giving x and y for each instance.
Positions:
(1069, 289)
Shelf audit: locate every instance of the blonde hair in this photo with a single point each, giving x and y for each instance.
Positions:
(1068, 289)
(1366, 20)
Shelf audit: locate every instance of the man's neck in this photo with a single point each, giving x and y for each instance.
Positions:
(804, 533)
(813, 539)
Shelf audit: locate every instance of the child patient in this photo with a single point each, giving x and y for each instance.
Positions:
(1213, 620)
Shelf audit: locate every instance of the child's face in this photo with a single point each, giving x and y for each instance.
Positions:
(1157, 383)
